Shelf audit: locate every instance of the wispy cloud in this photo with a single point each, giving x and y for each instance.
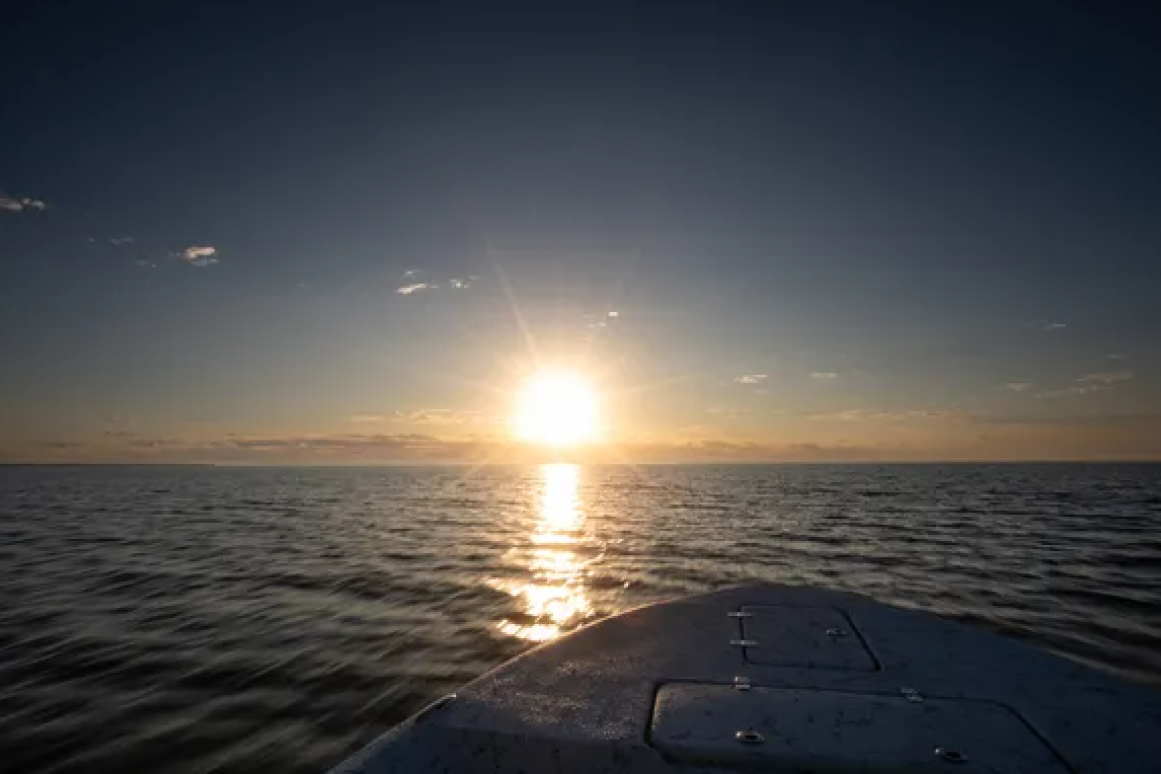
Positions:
(1018, 386)
(415, 280)
(1063, 392)
(368, 418)
(1049, 327)
(1089, 383)
(200, 255)
(436, 416)
(9, 204)
(726, 411)
(145, 263)
(885, 415)
(119, 241)
(750, 378)
(1118, 356)
(824, 375)
(1106, 377)
(415, 287)
(596, 320)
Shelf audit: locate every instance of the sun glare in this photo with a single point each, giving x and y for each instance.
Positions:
(556, 409)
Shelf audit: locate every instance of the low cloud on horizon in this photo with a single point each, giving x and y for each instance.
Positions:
(355, 448)
(958, 437)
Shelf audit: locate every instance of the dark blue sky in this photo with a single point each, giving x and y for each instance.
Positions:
(917, 222)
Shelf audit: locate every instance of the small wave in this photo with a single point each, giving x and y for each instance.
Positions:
(235, 618)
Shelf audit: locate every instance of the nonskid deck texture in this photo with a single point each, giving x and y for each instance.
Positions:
(776, 678)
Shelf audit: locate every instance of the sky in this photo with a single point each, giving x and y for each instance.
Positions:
(342, 233)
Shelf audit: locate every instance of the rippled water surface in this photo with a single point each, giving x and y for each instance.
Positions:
(207, 619)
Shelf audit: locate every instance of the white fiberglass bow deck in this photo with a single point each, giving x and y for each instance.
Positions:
(780, 679)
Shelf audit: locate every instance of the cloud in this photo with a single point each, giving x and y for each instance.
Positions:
(824, 375)
(750, 378)
(415, 287)
(461, 283)
(885, 415)
(1064, 392)
(1089, 383)
(1107, 377)
(726, 411)
(60, 445)
(200, 255)
(437, 416)
(1018, 386)
(433, 416)
(596, 321)
(1135, 419)
(323, 448)
(368, 419)
(118, 242)
(10, 204)
(835, 453)
(21, 205)
(1118, 356)
(145, 263)
(411, 273)
(1049, 327)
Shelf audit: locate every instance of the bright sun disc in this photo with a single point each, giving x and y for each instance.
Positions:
(557, 409)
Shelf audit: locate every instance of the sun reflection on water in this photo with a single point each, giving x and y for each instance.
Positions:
(554, 600)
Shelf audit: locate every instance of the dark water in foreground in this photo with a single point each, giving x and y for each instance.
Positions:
(200, 619)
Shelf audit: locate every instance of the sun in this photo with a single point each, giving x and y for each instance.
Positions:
(556, 408)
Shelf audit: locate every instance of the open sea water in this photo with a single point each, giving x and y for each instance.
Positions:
(193, 619)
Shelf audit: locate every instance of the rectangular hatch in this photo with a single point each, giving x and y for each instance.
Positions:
(812, 637)
(797, 729)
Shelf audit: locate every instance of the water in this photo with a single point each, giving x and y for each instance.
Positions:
(203, 619)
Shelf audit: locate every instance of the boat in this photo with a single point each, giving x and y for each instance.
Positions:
(771, 678)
